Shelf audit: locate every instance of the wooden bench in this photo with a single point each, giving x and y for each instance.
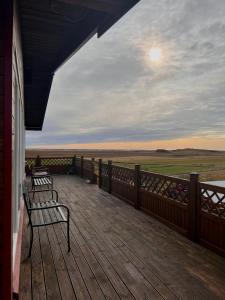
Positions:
(45, 213)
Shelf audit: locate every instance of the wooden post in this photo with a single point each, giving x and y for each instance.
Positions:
(82, 166)
(38, 161)
(100, 173)
(109, 176)
(93, 180)
(194, 207)
(137, 187)
(74, 164)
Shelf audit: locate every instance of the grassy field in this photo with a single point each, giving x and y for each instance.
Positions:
(209, 164)
(209, 167)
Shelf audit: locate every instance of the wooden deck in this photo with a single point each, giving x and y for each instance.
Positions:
(117, 252)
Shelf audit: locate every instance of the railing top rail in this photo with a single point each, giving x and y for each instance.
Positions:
(51, 157)
(124, 163)
(87, 160)
(212, 187)
(120, 167)
(165, 176)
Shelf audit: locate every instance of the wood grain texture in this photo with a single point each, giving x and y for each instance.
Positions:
(117, 252)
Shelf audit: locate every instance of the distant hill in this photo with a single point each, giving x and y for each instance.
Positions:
(190, 151)
(120, 153)
(164, 151)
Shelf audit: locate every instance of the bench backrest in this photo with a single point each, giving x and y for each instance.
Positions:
(40, 169)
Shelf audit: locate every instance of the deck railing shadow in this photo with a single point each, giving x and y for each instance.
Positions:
(192, 208)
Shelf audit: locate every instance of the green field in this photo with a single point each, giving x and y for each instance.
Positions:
(209, 167)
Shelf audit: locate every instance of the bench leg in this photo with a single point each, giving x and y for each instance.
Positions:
(33, 192)
(28, 224)
(68, 234)
(31, 239)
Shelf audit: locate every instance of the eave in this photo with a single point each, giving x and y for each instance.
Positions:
(52, 31)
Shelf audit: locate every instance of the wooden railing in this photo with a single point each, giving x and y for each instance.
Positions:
(166, 198)
(65, 165)
(193, 208)
(56, 165)
(211, 227)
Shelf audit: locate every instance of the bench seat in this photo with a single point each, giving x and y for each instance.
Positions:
(51, 215)
(38, 181)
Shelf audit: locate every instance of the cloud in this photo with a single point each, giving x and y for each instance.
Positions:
(109, 91)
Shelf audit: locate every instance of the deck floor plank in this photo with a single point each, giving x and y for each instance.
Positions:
(117, 252)
(90, 247)
(38, 281)
(77, 280)
(132, 280)
(135, 264)
(131, 276)
(25, 269)
(51, 280)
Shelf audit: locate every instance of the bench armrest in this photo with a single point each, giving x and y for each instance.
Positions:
(40, 169)
(52, 206)
(39, 176)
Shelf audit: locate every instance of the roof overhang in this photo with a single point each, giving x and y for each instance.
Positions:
(52, 31)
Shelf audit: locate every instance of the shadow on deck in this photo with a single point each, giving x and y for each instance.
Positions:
(117, 252)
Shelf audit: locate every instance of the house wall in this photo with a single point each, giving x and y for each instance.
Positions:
(1, 108)
(17, 126)
(1, 132)
(5, 147)
(11, 141)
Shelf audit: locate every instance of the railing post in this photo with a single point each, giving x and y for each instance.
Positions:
(137, 186)
(74, 164)
(82, 166)
(38, 161)
(100, 173)
(109, 176)
(194, 207)
(93, 170)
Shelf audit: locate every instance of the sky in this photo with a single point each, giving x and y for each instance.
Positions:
(111, 95)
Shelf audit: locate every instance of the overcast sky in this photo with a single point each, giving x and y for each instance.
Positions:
(111, 92)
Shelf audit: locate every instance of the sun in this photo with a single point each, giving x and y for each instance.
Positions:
(155, 54)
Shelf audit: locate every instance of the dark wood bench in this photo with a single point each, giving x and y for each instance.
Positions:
(45, 213)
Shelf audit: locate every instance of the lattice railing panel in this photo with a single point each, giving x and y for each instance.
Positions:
(168, 187)
(78, 166)
(105, 177)
(78, 162)
(62, 161)
(96, 167)
(123, 174)
(104, 170)
(30, 162)
(87, 164)
(213, 199)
